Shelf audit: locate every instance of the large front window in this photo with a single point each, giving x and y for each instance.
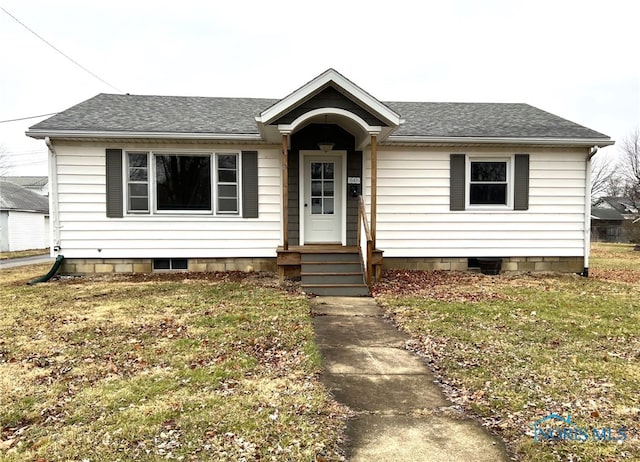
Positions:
(183, 182)
(176, 182)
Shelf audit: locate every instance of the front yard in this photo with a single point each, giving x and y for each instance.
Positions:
(514, 349)
(198, 367)
(223, 366)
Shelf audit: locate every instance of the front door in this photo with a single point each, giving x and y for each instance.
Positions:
(322, 196)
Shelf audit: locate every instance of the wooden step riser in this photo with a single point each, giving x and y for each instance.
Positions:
(331, 268)
(323, 257)
(357, 291)
(332, 279)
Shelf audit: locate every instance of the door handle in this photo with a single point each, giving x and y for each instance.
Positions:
(305, 205)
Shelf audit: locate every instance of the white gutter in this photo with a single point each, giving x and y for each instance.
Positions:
(399, 139)
(43, 134)
(587, 210)
(54, 213)
(257, 137)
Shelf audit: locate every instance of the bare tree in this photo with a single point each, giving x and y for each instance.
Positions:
(605, 179)
(630, 165)
(5, 161)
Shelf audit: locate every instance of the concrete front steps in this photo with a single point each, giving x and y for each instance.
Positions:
(333, 273)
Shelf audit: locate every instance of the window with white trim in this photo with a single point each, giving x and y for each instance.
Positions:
(138, 182)
(227, 165)
(489, 182)
(159, 182)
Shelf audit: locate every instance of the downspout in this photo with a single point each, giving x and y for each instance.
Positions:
(587, 211)
(53, 198)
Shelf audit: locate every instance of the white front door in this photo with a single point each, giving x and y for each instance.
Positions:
(322, 196)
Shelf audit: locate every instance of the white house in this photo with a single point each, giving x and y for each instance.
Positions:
(24, 218)
(158, 182)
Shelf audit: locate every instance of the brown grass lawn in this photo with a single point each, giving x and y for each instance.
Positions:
(164, 367)
(223, 366)
(513, 349)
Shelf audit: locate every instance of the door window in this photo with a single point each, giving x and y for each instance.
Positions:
(322, 188)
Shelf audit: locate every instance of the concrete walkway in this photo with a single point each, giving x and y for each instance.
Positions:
(401, 414)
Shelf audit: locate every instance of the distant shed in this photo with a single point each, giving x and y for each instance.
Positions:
(24, 218)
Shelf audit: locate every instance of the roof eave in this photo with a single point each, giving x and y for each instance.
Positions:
(84, 134)
(400, 139)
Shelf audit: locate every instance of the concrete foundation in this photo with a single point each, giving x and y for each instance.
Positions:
(79, 266)
(509, 264)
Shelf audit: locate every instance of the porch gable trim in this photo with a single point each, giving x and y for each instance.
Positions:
(324, 79)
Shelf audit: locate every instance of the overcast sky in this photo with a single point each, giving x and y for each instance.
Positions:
(578, 59)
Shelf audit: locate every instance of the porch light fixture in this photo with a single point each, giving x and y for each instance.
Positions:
(326, 146)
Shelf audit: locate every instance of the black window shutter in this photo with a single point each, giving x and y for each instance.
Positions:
(521, 182)
(250, 184)
(457, 182)
(114, 183)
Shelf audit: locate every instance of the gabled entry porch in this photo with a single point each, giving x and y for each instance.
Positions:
(328, 240)
(328, 130)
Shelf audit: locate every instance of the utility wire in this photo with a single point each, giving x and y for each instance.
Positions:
(59, 51)
(27, 118)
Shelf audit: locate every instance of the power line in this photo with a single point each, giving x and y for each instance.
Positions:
(26, 118)
(59, 51)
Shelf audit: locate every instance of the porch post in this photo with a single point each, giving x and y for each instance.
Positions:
(374, 186)
(285, 192)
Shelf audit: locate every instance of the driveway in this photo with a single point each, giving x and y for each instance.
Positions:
(35, 260)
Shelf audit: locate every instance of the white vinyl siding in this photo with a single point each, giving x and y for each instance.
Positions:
(414, 219)
(87, 232)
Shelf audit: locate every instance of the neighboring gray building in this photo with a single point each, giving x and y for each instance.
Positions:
(24, 218)
(38, 184)
(608, 217)
(607, 225)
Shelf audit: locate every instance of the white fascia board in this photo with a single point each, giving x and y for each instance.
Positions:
(394, 139)
(81, 134)
(290, 128)
(309, 88)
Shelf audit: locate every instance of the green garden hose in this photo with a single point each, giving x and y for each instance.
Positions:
(50, 274)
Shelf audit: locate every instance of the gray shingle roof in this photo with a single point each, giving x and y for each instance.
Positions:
(179, 114)
(623, 205)
(606, 214)
(15, 197)
(160, 114)
(27, 181)
(485, 120)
